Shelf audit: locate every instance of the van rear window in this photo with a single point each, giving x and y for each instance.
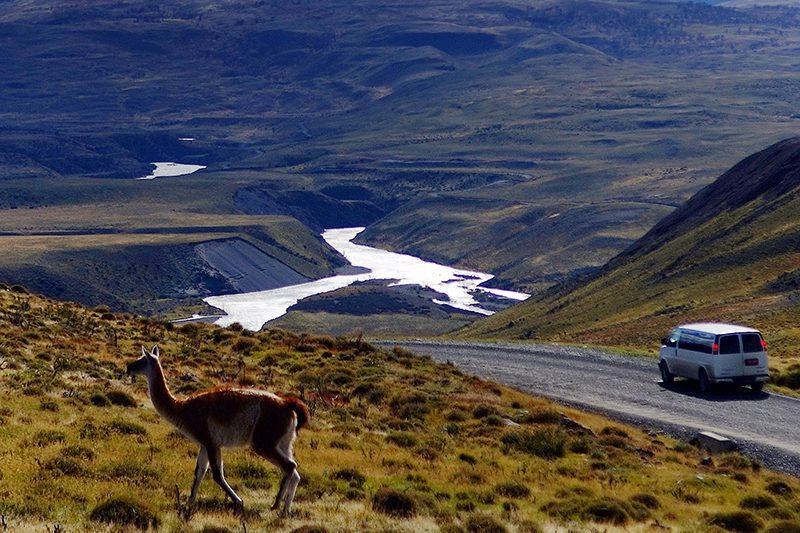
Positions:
(751, 342)
(728, 344)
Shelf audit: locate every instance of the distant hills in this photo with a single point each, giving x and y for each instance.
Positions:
(533, 141)
(730, 253)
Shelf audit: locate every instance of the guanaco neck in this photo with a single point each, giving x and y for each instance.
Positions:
(163, 400)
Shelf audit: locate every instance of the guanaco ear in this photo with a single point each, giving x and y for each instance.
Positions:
(144, 351)
(154, 352)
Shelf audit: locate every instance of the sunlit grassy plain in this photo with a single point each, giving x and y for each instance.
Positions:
(433, 442)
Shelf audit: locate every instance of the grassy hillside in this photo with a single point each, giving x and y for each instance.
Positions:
(396, 442)
(729, 254)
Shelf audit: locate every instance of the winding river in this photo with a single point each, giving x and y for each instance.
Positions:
(253, 309)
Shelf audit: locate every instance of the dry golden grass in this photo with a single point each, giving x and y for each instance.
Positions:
(452, 452)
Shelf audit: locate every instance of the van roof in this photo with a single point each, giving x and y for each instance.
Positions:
(717, 328)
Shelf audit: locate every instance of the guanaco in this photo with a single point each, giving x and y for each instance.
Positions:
(224, 417)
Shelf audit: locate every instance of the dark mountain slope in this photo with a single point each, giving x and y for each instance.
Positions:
(731, 253)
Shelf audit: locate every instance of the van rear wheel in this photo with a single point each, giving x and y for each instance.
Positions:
(703, 381)
(666, 375)
(757, 386)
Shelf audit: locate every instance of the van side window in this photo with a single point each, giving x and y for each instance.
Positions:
(751, 342)
(695, 342)
(729, 344)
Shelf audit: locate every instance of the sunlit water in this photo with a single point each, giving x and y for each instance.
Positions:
(167, 169)
(253, 309)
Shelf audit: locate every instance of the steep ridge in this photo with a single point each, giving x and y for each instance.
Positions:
(732, 252)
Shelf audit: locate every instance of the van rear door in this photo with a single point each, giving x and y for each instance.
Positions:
(754, 354)
(729, 363)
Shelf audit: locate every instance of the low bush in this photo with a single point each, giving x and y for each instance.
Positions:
(548, 443)
(404, 440)
(512, 490)
(351, 476)
(784, 526)
(648, 500)
(760, 501)
(124, 511)
(779, 488)
(121, 398)
(394, 503)
(47, 437)
(467, 458)
(481, 523)
(739, 521)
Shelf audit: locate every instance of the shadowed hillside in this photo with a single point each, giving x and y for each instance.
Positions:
(731, 253)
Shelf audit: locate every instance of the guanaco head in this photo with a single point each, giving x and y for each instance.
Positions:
(145, 363)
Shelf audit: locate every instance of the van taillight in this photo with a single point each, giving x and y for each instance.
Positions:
(715, 349)
(764, 344)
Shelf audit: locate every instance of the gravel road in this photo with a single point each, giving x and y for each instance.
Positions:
(763, 425)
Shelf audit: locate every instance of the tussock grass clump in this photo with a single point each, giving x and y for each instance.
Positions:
(548, 443)
(759, 501)
(394, 503)
(402, 439)
(604, 510)
(311, 529)
(78, 452)
(739, 521)
(512, 490)
(483, 410)
(121, 398)
(125, 511)
(66, 466)
(648, 500)
(351, 476)
(98, 399)
(779, 488)
(467, 458)
(784, 526)
(126, 428)
(482, 523)
(47, 437)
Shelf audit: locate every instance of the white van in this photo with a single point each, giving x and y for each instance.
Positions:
(715, 353)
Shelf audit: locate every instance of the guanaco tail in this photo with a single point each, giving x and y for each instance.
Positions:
(224, 417)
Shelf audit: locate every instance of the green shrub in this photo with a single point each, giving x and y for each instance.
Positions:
(394, 503)
(512, 490)
(739, 521)
(548, 443)
(124, 511)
